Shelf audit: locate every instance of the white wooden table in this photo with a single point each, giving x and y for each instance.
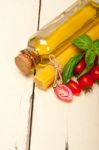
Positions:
(52, 119)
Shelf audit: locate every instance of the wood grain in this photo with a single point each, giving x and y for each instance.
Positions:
(54, 122)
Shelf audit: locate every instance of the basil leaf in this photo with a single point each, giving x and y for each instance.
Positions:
(96, 47)
(69, 67)
(89, 59)
(83, 42)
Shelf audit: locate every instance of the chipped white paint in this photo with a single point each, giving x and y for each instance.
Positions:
(18, 22)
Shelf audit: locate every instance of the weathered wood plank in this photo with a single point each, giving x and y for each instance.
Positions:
(84, 121)
(50, 115)
(18, 20)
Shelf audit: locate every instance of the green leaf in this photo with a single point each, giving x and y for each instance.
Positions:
(89, 59)
(83, 42)
(69, 67)
(96, 47)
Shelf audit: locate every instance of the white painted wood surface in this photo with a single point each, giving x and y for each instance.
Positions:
(18, 20)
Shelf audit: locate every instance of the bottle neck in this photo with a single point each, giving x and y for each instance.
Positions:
(32, 55)
(27, 60)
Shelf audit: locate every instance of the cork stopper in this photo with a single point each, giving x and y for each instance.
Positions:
(26, 60)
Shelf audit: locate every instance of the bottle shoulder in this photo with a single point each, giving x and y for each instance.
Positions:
(41, 45)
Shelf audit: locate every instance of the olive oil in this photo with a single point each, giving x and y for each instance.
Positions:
(57, 36)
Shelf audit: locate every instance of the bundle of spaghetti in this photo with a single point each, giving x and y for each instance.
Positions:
(45, 77)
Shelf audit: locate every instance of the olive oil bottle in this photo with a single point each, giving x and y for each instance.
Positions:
(57, 36)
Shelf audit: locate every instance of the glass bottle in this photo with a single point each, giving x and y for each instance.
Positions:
(56, 36)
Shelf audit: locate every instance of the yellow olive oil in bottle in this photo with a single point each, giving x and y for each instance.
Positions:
(56, 36)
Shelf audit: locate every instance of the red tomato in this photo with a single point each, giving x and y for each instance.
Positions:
(95, 73)
(80, 67)
(74, 87)
(63, 93)
(86, 82)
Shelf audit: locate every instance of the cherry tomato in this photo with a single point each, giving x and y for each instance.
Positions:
(74, 87)
(80, 67)
(95, 73)
(63, 93)
(86, 82)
